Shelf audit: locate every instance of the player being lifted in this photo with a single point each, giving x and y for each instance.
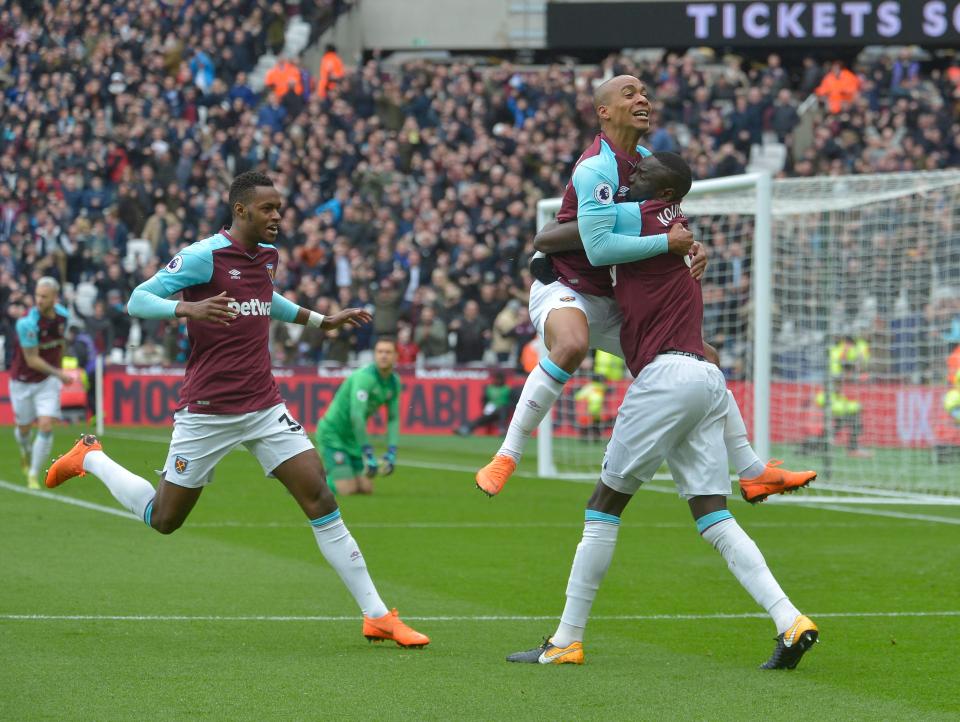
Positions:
(673, 411)
(36, 377)
(577, 311)
(342, 432)
(230, 397)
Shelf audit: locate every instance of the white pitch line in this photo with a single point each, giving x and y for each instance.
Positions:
(50, 496)
(886, 513)
(443, 618)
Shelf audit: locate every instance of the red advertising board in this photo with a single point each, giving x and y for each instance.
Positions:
(436, 401)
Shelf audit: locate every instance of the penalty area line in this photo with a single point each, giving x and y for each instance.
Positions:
(445, 618)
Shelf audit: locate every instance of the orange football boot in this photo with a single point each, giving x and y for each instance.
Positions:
(774, 480)
(71, 464)
(492, 477)
(390, 626)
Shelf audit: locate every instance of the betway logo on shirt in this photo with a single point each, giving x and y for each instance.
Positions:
(253, 307)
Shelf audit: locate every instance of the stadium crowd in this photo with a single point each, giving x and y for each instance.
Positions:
(410, 188)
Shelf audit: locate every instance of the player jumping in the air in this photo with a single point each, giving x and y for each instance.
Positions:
(577, 312)
(673, 411)
(342, 432)
(36, 377)
(230, 397)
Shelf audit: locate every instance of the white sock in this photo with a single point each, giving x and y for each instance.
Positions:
(590, 565)
(743, 458)
(23, 440)
(342, 553)
(132, 491)
(749, 567)
(42, 444)
(540, 392)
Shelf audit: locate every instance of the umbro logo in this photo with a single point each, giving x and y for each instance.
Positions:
(622, 191)
(234, 273)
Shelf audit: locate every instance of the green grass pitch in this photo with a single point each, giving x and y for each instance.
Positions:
(208, 623)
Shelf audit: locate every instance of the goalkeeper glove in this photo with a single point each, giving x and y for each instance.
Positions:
(388, 460)
(369, 462)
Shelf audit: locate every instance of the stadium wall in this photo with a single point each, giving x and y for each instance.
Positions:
(439, 400)
(451, 24)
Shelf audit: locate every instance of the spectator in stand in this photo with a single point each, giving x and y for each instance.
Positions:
(505, 332)
(431, 336)
(407, 350)
(840, 87)
(472, 334)
(283, 78)
(331, 71)
(386, 303)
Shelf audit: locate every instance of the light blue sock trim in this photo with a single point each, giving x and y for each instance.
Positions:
(332, 516)
(714, 517)
(148, 512)
(554, 371)
(45, 434)
(591, 515)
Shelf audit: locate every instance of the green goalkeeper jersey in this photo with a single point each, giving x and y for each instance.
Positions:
(359, 397)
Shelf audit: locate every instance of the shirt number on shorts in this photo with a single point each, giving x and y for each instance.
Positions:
(292, 425)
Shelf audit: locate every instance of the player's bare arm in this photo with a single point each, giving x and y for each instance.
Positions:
(557, 237)
(349, 317)
(32, 356)
(215, 309)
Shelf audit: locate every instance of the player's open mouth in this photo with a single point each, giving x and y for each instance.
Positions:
(273, 230)
(642, 114)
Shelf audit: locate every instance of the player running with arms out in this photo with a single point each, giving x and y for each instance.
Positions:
(577, 311)
(230, 397)
(342, 432)
(673, 412)
(36, 376)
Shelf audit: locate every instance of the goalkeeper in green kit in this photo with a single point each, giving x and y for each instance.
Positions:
(342, 432)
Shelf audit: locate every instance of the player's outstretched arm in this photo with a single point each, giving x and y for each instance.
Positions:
(283, 309)
(350, 317)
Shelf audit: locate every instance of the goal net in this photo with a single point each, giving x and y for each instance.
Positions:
(834, 303)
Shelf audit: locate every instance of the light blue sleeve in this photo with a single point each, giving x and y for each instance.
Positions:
(283, 309)
(28, 332)
(191, 267)
(596, 185)
(148, 300)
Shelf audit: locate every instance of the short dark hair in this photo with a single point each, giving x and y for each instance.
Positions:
(244, 184)
(386, 339)
(681, 177)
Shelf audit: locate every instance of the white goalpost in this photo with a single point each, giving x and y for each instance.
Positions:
(835, 305)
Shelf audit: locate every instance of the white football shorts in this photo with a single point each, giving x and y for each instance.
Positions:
(603, 315)
(200, 441)
(31, 400)
(674, 411)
